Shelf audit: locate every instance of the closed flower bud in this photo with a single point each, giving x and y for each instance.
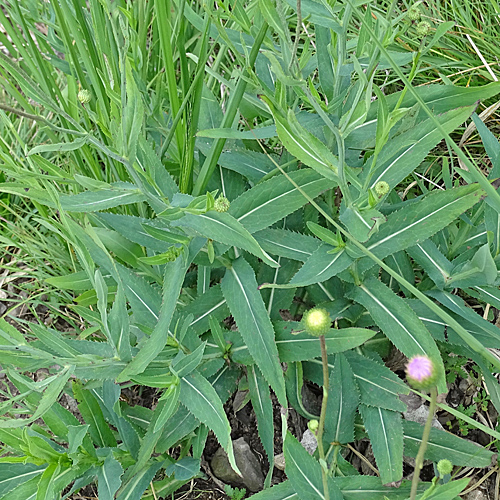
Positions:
(313, 426)
(381, 188)
(414, 14)
(221, 204)
(84, 96)
(316, 322)
(421, 372)
(423, 28)
(444, 467)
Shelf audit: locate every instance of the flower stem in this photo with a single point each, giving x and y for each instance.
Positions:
(321, 426)
(419, 461)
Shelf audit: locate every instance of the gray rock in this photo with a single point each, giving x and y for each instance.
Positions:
(309, 441)
(251, 477)
(475, 495)
(420, 415)
(412, 400)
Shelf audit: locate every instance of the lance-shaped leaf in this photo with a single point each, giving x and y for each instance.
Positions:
(294, 344)
(239, 287)
(398, 322)
(200, 398)
(93, 201)
(270, 201)
(377, 384)
(262, 405)
(305, 146)
(304, 472)
(109, 478)
(343, 401)
(419, 221)
(433, 262)
(445, 445)
(15, 474)
(287, 244)
(226, 229)
(404, 152)
(136, 485)
(174, 277)
(321, 266)
(386, 437)
(281, 491)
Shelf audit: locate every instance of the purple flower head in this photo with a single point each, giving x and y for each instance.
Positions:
(421, 372)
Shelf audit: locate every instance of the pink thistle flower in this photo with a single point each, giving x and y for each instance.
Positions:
(421, 372)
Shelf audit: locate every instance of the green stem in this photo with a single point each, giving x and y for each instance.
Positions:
(321, 426)
(419, 461)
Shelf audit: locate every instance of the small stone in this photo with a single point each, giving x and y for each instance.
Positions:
(475, 495)
(412, 400)
(309, 441)
(420, 415)
(251, 477)
(279, 461)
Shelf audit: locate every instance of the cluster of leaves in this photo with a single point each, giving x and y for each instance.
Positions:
(127, 176)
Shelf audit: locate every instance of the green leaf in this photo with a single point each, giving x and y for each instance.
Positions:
(419, 221)
(61, 146)
(304, 472)
(92, 414)
(239, 287)
(184, 469)
(183, 423)
(305, 146)
(294, 344)
(184, 364)
(433, 262)
(287, 244)
(200, 398)
(171, 402)
(343, 399)
(398, 322)
(109, 478)
(404, 152)
(370, 487)
(226, 229)
(448, 491)
(270, 201)
(76, 433)
(135, 486)
(321, 266)
(174, 278)
(13, 475)
(445, 445)
(92, 201)
(487, 333)
(263, 408)
(378, 385)
(386, 437)
(231, 133)
(280, 491)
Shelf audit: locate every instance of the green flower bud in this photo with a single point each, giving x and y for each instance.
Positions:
(316, 321)
(444, 467)
(381, 188)
(414, 14)
(84, 96)
(172, 253)
(221, 204)
(313, 426)
(423, 28)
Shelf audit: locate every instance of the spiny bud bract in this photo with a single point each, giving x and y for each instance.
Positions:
(381, 188)
(316, 321)
(444, 467)
(423, 28)
(421, 372)
(221, 204)
(414, 14)
(84, 96)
